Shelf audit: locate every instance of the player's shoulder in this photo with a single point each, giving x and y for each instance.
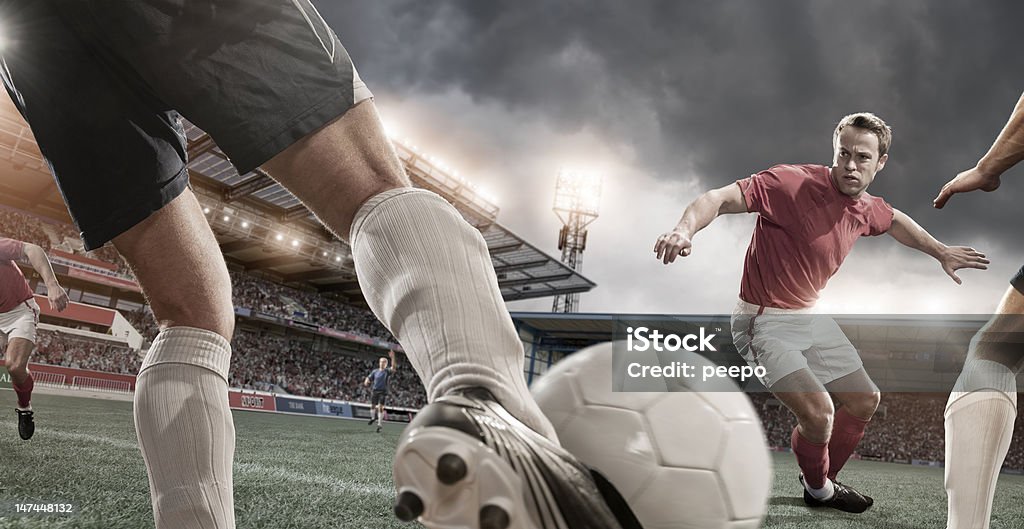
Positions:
(802, 170)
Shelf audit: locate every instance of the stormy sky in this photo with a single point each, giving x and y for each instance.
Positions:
(668, 99)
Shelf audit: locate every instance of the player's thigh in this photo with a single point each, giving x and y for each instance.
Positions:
(336, 169)
(18, 352)
(1001, 339)
(178, 262)
(116, 151)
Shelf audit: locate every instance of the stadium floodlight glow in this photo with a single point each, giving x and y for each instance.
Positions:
(226, 218)
(206, 211)
(337, 258)
(577, 192)
(245, 224)
(295, 242)
(325, 254)
(279, 237)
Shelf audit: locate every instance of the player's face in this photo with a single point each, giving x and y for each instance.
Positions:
(856, 160)
(383, 363)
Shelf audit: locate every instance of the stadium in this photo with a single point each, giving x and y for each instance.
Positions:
(305, 340)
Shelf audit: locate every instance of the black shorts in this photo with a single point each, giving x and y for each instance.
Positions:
(1018, 280)
(101, 83)
(378, 397)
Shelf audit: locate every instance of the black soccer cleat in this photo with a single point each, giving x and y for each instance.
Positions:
(26, 426)
(378, 428)
(845, 499)
(372, 420)
(464, 461)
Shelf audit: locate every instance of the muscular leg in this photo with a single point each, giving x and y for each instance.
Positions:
(859, 398)
(16, 362)
(425, 272)
(980, 415)
(181, 407)
(804, 395)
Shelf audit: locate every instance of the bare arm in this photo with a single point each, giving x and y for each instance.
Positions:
(1007, 150)
(394, 363)
(951, 258)
(696, 217)
(54, 292)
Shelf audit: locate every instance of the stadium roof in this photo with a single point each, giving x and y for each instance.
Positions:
(262, 227)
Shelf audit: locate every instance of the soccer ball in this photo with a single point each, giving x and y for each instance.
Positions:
(680, 459)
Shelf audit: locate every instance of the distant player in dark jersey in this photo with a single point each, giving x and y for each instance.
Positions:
(19, 316)
(983, 404)
(378, 381)
(809, 217)
(102, 83)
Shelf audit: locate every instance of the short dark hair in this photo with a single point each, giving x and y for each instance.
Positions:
(868, 122)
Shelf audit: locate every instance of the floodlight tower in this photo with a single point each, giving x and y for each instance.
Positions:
(577, 197)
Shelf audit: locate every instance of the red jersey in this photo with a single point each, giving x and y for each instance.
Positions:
(805, 228)
(13, 287)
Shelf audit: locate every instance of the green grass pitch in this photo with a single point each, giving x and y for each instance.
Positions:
(306, 472)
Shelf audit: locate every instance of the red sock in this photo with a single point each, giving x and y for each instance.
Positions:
(812, 458)
(24, 391)
(847, 431)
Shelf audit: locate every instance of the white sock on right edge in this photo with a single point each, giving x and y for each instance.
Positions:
(979, 425)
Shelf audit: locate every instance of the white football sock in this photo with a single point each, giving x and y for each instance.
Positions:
(979, 424)
(427, 276)
(185, 430)
(824, 493)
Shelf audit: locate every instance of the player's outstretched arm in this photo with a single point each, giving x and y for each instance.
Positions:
(696, 217)
(394, 363)
(1007, 150)
(54, 292)
(952, 258)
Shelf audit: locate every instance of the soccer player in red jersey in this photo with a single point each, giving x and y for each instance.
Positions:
(983, 404)
(809, 217)
(19, 315)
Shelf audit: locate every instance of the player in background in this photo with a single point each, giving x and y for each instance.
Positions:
(101, 85)
(19, 316)
(380, 378)
(809, 218)
(983, 404)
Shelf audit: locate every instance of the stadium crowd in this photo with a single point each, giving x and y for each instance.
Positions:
(15, 225)
(62, 349)
(263, 362)
(278, 300)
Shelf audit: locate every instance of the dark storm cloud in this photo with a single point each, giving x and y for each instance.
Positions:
(725, 87)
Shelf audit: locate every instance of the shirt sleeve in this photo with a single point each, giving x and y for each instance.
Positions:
(879, 217)
(11, 249)
(772, 194)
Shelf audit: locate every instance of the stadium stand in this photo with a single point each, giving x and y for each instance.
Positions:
(274, 363)
(62, 349)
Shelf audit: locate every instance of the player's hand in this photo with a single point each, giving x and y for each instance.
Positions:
(58, 297)
(969, 180)
(671, 245)
(957, 257)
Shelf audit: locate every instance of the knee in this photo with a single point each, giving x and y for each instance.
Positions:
(816, 423)
(864, 405)
(16, 369)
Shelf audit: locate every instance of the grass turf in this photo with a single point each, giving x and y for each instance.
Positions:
(305, 472)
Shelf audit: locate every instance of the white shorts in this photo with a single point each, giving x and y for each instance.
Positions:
(21, 321)
(784, 341)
